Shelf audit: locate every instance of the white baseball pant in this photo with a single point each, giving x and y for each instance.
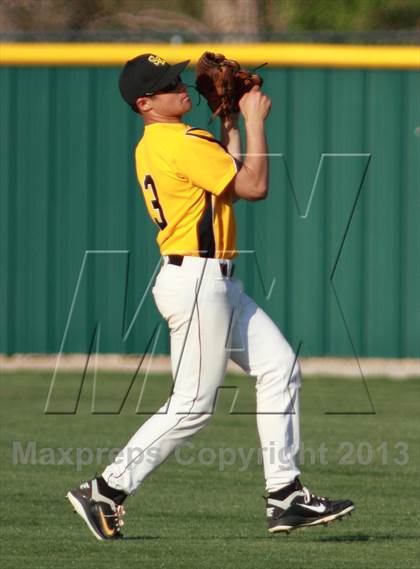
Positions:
(211, 320)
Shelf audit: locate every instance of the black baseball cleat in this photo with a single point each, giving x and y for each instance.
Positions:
(101, 514)
(301, 509)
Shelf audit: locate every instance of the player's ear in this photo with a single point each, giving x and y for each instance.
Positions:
(143, 104)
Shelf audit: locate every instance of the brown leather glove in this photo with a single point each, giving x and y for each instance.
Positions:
(223, 82)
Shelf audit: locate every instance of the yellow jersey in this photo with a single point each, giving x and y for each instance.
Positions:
(183, 173)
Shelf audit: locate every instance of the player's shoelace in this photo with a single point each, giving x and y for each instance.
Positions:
(308, 497)
(118, 520)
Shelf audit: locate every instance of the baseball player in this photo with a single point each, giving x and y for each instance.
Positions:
(189, 182)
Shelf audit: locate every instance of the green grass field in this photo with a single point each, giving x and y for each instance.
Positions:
(199, 515)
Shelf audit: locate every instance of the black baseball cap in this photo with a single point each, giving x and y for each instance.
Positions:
(146, 74)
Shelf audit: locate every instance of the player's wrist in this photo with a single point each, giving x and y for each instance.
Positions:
(231, 121)
(254, 123)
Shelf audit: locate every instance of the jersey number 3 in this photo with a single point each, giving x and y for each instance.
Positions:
(149, 184)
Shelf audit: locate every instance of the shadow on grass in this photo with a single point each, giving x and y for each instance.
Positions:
(297, 535)
(140, 537)
(365, 537)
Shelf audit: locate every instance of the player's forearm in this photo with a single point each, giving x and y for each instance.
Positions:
(256, 158)
(231, 137)
(252, 180)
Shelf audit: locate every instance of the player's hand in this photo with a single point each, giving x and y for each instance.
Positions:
(255, 105)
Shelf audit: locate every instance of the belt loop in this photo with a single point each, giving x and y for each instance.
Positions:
(224, 268)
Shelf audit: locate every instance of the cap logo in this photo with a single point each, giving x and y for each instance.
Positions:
(156, 60)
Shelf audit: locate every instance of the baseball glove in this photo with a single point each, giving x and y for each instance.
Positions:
(223, 82)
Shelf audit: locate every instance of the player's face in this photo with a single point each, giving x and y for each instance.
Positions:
(174, 100)
(171, 102)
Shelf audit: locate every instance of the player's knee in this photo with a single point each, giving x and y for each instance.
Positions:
(194, 420)
(281, 370)
(199, 407)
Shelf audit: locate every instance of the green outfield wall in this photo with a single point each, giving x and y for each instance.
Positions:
(333, 254)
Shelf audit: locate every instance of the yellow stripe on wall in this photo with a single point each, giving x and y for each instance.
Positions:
(291, 55)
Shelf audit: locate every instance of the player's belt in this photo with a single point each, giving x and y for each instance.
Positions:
(224, 267)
